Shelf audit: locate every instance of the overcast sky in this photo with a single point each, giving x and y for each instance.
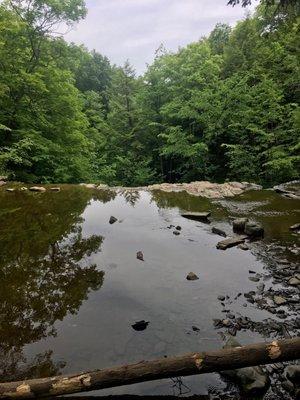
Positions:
(134, 29)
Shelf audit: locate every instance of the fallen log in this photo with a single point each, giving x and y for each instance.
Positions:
(191, 364)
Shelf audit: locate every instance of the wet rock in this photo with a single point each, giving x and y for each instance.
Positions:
(230, 242)
(197, 216)
(292, 373)
(239, 224)
(221, 298)
(254, 230)
(112, 220)
(192, 277)
(279, 300)
(140, 325)
(251, 380)
(140, 256)
(176, 233)
(294, 281)
(178, 228)
(253, 278)
(55, 189)
(10, 190)
(243, 246)
(38, 189)
(295, 227)
(23, 189)
(218, 231)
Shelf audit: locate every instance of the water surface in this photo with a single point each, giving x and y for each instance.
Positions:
(71, 286)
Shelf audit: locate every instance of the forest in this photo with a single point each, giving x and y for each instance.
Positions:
(223, 108)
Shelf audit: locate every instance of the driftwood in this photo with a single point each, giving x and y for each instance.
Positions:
(191, 364)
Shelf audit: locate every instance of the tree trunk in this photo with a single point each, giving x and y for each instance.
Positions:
(190, 364)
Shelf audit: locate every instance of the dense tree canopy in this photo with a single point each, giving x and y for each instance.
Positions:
(225, 107)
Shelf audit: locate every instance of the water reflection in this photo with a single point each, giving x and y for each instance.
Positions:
(45, 272)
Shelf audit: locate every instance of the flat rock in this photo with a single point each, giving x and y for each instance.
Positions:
(279, 300)
(294, 281)
(10, 190)
(39, 189)
(192, 277)
(55, 189)
(196, 216)
(230, 242)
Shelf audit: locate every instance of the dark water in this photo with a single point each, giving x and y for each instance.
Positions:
(71, 285)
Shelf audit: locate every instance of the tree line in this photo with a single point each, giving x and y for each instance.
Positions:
(224, 107)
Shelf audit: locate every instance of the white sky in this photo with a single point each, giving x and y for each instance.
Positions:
(134, 29)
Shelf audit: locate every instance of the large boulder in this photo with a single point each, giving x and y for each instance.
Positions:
(254, 230)
(252, 381)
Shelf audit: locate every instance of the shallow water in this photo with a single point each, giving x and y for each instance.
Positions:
(71, 285)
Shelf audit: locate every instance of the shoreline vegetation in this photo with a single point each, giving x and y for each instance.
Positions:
(225, 107)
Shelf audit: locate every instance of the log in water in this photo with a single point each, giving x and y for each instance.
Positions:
(190, 364)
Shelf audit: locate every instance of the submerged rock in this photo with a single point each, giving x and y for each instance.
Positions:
(39, 189)
(192, 277)
(218, 231)
(251, 380)
(140, 325)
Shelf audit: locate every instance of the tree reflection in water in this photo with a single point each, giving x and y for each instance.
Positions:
(45, 273)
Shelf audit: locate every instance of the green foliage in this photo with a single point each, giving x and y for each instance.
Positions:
(225, 107)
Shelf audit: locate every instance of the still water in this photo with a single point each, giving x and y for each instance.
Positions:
(71, 286)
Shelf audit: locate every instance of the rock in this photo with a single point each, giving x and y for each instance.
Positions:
(279, 300)
(39, 189)
(295, 227)
(197, 216)
(243, 246)
(140, 256)
(251, 380)
(90, 185)
(23, 189)
(294, 281)
(239, 225)
(140, 325)
(253, 278)
(112, 220)
(218, 231)
(55, 189)
(192, 277)
(254, 229)
(176, 233)
(221, 298)
(292, 373)
(2, 183)
(195, 329)
(10, 190)
(3, 178)
(178, 228)
(230, 242)
(102, 186)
